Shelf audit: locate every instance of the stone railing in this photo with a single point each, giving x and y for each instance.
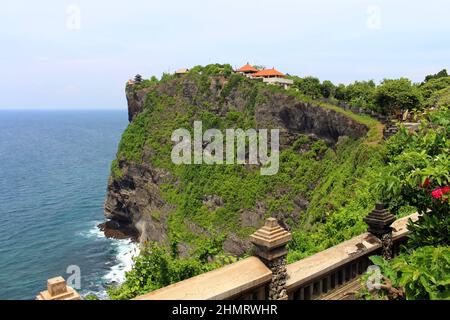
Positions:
(245, 279)
(267, 277)
(329, 270)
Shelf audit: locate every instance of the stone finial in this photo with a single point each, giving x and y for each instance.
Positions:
(58, 290)
(270, 241)
(379, 220)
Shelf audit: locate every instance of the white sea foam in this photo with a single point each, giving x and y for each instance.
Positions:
(93, 232)
(125, 250)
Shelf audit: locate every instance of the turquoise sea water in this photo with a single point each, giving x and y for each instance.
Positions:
(54, 168)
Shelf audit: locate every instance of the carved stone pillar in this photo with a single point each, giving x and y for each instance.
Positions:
(379, 222)
(58, 290)
(270, 246)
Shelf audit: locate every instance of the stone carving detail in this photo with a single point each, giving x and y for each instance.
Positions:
(270, 246)
(387, 246)
(277, 288)
(379, 222)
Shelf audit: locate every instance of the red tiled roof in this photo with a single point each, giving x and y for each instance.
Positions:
(247, 68)
(269, 73)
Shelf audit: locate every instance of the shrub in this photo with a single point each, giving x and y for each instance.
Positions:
(433, 86)
(421, 274)
(157, 267)
(419, 163)
(440, 74)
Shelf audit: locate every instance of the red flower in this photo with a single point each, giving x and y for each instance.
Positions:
(439, 192)
(426, 183)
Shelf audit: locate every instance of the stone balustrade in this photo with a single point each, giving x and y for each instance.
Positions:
(328, 270)
(265, 276)
(311, 278)
(245, 279)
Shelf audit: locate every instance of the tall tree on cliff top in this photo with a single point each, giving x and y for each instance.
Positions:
(361, 94)
(309, 86)
(328, 89)
(441, 74)
(394, 96)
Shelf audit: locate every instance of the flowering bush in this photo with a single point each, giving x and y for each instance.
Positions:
(441, 193)
(418, 174)
(433, 227)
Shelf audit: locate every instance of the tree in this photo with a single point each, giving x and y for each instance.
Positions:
(440, 74)
(328, 89)
(434, 85)
(397, 95)
(439, 99)
(341, 92)
(309, 86)
(361, 94)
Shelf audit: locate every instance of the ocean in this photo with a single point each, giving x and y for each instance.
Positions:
(54, 168)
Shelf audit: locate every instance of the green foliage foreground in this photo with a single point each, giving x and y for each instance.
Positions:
(422, 274)
(156, 267)
(418, 174)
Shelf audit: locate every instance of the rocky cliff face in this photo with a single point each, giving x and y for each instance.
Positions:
(135, 100)
(135, 203)
(294, 117)
(281, 110)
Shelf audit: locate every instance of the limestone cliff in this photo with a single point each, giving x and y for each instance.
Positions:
(150, 197)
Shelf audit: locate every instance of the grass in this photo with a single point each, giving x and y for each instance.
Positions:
(375, 133)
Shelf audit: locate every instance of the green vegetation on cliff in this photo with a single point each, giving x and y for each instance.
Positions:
(319, 177)
(321, 192)
(390, 96)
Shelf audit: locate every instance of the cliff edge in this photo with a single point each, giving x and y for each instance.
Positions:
(150, 198)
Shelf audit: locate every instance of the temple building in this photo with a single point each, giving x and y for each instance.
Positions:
(247, 70)
(181, 71)
(269, 73)
(272, 76)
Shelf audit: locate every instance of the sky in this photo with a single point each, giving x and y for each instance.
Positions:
(78, 54)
